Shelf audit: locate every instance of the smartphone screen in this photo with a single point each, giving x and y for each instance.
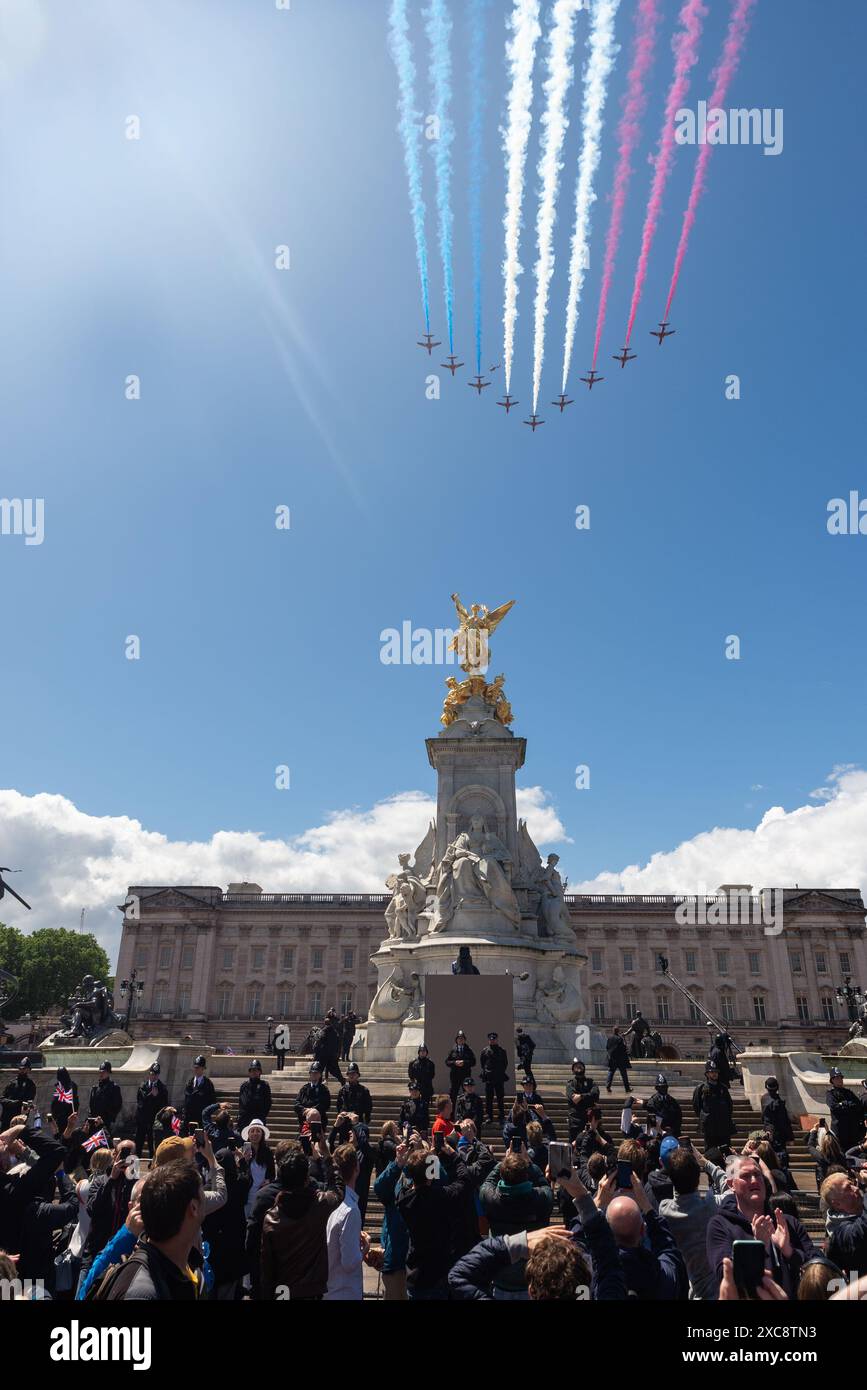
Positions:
(438, 1141)
(560, 1160)
(624, 1174)
(748, 1262)
(316, 1129)
(684, 1142)
(515, 1144)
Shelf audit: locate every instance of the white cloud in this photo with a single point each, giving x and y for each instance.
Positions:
(823, 846)
(73, 860)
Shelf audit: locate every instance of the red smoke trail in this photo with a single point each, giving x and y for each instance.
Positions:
(685, 57)
(739, 24)
(628, 135)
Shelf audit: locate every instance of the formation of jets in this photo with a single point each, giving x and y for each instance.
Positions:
(478, 383)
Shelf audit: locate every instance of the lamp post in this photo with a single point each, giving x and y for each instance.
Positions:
(850, 995)
(130, 990)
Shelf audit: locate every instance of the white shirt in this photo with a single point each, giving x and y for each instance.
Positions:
(345, 1260)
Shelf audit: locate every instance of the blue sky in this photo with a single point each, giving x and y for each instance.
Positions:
(258, 387)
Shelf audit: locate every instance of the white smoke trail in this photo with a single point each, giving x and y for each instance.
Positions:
(520, 57)
(603, 51)
(561, 42)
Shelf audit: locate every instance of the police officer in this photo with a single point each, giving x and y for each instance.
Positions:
(414, 1111)
(713, 1106)
(460, 1063)
(313, 1096)
(721, 1053)
(326, 1049)
(106, 1100)
(469, 1106)
(422, 1070)
(254, 1097)
(664, 1107)
(847, 1120)
(353, 1097)
(618, 1059)
(494, 1062)
(198, 1094)
(348, 1024)
(525, 1047)
(17, 1093)
(150, 1099)
(581, 1094)
(776, 1120)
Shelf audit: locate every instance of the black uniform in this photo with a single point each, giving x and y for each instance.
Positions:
(415, 1114)
(494, 1061)
(198, 1093)
(667, 1111)
(460, 1063)
(106, 1101)
(618, 1060)
(713, 1106)
(720, 1056)
(326, 1051)
(314, 1095)
(16, 1093)
(422, 1071)
(469, 1107)
(847, 1120)
(355, 1098)
(525, 1047)
(254, 1102)
(588, 1094)
(776, 1119)
(347, 1033)
(152, 1096)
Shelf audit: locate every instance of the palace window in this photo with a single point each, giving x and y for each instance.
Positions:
(184, 1001)
(346, 1001)
(690, 962)
(662, 1006)
(828, 1008)
(754, 962)
(160, 998)
(599, 1008)
(759, 1008)
(228, 957)
(349, 958)
(186, 957)
(258, 960)
(630, 1006)
(165, 957)
(803, 1004)
(695, 1014)
(727, 1008)
(845, 964)
(317, 958)
(596, 961)
(288, 957)
(722, 962)
(316, 1003)
(628, 965)
(224, 1003)
(796, 960)
(821, 963)
(254, 1003)
(284, 1002)
(141, 956)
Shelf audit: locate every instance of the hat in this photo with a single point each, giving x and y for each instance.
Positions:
(173, 1148)
(661, 1080)
(255, 1065)
(200, 1062)
(493, 1035)
(460, 1033)
(519, 1029)
(103, 1066)
(422, 1047)
(315, 1066)
(353, 1066)
(256, 1124)
(576, 1062)
(835, 1071)
(414, 1086)
(668, 1146)
(24, 1063)
(468, 1081)
(155, 1068)
(772, 1084)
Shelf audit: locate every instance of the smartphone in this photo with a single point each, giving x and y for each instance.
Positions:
(316, 1129)
(748, 1261)
(560, 1159)
(624, 1174)
(515, 1144)
(306, 1146)
(199, 1137)
(684, 1142)
(439, 1139)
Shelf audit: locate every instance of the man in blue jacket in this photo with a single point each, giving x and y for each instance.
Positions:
(746, 1217)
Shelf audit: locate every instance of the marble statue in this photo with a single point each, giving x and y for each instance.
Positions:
(476, 626)
(471, 872)
(398, 997)
(554, 918)
(408, 900)
(558, 997)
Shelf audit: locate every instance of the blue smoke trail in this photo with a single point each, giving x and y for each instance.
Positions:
(478, 102)
(439, 32)
(409, 126)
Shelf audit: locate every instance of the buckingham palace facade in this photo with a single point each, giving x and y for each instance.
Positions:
(216, 965)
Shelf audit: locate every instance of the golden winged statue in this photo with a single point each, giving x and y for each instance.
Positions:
(476, 626)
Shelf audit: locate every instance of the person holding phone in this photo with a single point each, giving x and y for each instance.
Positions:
(512, 1203)
(787, 1245)
(651, 1263)
(313, 1095)
(259, 1158)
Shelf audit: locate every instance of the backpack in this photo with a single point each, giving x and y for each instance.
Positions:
(115, 1282)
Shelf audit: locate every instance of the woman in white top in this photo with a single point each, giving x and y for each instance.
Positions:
(260, 1158)
(100, 1162)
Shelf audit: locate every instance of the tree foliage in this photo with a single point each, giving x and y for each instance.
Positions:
(50, 965)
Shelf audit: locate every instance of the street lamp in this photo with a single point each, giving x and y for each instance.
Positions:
(130, 990)
(850, 995)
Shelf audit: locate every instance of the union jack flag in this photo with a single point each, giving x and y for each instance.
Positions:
(100, 1140)
(65, 1097)
(176, 1124)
